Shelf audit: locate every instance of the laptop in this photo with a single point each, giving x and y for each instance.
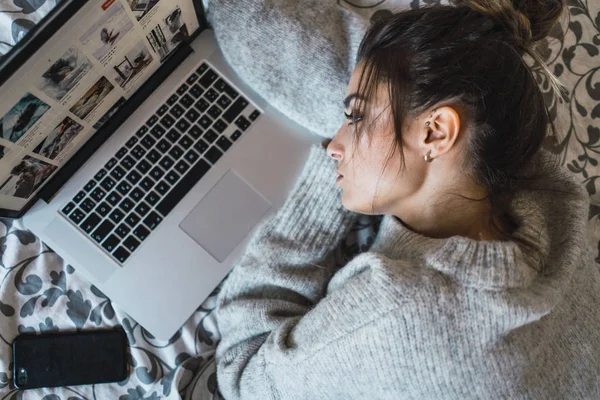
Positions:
(131, 148)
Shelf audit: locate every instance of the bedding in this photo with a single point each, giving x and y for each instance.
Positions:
(39, 292)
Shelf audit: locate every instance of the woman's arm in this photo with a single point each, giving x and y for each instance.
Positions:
(284, 271)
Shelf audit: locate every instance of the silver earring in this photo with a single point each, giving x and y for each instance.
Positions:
(428, 157)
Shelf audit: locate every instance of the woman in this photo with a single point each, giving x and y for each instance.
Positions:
(479, 283)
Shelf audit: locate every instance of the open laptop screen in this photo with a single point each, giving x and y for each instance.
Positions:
(70, 86)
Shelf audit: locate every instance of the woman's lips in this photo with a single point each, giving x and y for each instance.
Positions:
(339, 178)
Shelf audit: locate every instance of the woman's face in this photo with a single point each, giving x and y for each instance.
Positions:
(372, 177)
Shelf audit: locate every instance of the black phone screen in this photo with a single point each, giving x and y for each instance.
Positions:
(65, 359)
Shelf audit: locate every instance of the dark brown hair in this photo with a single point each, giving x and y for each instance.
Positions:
(470, 53)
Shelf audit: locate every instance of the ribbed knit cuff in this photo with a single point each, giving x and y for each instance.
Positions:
(313, 214)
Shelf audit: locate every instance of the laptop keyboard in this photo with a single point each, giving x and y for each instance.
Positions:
(145, 179)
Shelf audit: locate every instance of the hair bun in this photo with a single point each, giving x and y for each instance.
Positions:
(529, 20)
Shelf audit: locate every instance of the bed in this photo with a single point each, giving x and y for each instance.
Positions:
(39, 292)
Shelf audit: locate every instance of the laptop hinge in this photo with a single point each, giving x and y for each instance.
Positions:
(106, 131)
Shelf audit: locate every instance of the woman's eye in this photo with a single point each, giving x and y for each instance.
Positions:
(352, 118)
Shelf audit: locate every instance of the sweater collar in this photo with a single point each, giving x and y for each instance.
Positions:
(553, 217)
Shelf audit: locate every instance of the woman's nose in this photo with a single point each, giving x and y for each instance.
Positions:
(333, 150)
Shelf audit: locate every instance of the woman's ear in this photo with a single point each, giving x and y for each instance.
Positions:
(441, 133)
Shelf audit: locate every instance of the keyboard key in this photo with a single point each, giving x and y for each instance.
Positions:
(131, 243)
(111, 163)
(127, 163)
(214, 111)
(164, 145)
(201, 146)
(167, 121)
(152, 220)
(138, 152)
(147, 183)
(118, 173)
(101, 174)
(121, 254)
(111, 243)
(172, 99)
(162, 188)
(77, 216)
(87, 205)
(122, 230)
(116, 216)
(201, 105)
(107, 184)
(156, 173)
(142, 209)
(102, 231)
(220, 126)
(98, 194)
(132, 219)
(235, 109)
(224, 101)
(182, 89)
(236, 135)
(103, 209)
(223, 86)
(173, 135)
(90, 222)
(186, 101)
(142, 131)
(196, 91)
(79, 196)
(158, 131)
(136, 194)
(181, 167)
(162, 110)
(224, 143)
(126, 205)
(254, 115)
(153, 156)
(211, 95)
(68, 208)
(152, 198)
(131, 142)
(186, 142)
(90, 185)
(114, 198)
(202, 68)
(152, 120)
(177, 111)
(242, 123)
(192, 115)
(195, 132)
(166, 163)
(176, 152)
(124, 187)
(213, 154)
(210, 136)
(148, 141)
(182, 125)
(208, 78)
(171, 177)
(183, 187)
(141, 232)
(143, 166)
(191, 156)
(205, 122)
(191, 79)
(133, 177)
(121, 153)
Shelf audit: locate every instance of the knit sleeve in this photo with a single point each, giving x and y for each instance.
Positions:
(283, 273)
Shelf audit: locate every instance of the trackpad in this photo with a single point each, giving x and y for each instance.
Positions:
(225, 215)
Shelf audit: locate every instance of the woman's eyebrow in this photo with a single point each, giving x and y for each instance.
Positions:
(351, 96)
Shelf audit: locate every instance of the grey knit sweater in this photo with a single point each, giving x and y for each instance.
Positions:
(414, 317)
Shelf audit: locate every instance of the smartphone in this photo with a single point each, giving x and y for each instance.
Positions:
(65, 359)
